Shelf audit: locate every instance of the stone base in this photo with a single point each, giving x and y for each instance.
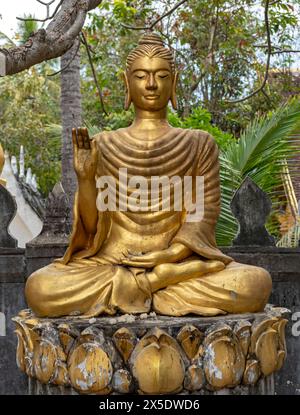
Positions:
(150, 354)
(264, 386)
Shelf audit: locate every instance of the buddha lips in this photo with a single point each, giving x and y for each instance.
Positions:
(155, 193)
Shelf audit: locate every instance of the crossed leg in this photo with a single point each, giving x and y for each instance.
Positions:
(238, 288)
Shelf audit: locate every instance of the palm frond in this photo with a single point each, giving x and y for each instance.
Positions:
(264, 137)
(54, 130)
(261, 153)
(291, 239)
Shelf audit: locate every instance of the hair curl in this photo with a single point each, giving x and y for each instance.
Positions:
(151, 45)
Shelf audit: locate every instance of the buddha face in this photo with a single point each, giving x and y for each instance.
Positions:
(150, 83)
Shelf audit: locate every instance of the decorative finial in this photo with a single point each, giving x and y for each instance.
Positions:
(251, 206)
(14, 165)
(22, 163)
(34, 184)
(28, 176)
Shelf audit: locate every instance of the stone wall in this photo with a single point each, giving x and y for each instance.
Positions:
(12, 277)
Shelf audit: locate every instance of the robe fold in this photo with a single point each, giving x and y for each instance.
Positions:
(90, 278)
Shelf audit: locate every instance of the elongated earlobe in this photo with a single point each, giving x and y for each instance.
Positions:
(173, 95)
(128, 96)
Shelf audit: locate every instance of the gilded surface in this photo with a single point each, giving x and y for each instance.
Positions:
(134, 262)
(151, 360)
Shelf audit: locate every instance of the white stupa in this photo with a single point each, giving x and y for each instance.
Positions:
(27, 223)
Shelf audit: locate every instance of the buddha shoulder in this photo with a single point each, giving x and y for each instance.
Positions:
(203, 139)
(105, 139)
(103, 135)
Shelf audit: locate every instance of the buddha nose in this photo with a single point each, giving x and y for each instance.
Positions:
(151, 84)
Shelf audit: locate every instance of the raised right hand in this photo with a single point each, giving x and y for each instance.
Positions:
(85, 154)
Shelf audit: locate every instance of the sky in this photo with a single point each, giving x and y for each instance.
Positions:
(10, 9)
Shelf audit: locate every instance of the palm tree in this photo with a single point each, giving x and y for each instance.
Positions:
(71, 116)
(261, 153)
(70, 103)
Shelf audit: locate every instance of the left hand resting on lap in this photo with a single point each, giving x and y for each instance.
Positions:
(174, 253)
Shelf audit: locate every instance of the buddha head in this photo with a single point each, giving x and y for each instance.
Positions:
(150, 76)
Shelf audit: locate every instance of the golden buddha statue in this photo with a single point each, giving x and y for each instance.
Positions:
(140, 261)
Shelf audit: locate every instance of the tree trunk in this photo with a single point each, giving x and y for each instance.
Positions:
(71, 118)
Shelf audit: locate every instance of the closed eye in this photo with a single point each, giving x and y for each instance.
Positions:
(163, 76)
(140, 74)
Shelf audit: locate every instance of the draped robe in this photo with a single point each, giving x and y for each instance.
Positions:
(91, 280)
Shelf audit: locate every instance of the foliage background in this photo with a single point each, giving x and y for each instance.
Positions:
(219, 47)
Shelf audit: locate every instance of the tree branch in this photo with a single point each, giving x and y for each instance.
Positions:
(277, 52)
(94, 72)
(93, 4)
(157, 20)
(51, 42)
(48, 17)
(269, 53)
(69, 63)
(278, 49)
(266, 95)
(46, 3)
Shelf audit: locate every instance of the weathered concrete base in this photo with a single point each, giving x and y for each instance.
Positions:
(265, 386)
(150, 354)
